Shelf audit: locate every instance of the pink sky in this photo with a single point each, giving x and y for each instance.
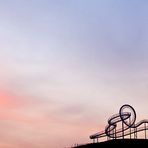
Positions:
(67, 66)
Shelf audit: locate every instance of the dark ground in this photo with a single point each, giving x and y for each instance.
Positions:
(125, 143)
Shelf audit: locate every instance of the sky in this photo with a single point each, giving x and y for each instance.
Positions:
(66, 66)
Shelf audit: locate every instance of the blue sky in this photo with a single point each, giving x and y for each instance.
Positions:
(65, 62)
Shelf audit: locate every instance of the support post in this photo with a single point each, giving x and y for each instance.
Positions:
(109, 133)
(115, 132)
(130, 127)
(122, 130)
(135, 133)
(145, 130)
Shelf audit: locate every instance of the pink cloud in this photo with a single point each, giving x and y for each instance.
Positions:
(31, 122)
(14, 107)
(8, 100)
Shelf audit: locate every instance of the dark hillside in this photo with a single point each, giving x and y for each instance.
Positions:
(118, 143)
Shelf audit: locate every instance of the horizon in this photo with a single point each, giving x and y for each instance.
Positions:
(67, 65)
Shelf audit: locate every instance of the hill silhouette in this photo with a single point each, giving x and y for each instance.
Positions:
(143, 143)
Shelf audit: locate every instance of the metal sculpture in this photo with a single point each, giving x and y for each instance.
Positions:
(127, 118)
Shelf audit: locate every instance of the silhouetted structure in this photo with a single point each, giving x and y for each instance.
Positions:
(123, 143)
(127, 118)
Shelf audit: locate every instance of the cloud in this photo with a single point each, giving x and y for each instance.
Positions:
(9, 100)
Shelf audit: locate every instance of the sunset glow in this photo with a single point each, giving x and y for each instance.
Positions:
(66, 66)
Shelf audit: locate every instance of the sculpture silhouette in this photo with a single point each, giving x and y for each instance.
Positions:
(127, 117)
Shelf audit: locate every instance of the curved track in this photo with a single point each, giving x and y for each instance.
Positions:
(127, 117)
